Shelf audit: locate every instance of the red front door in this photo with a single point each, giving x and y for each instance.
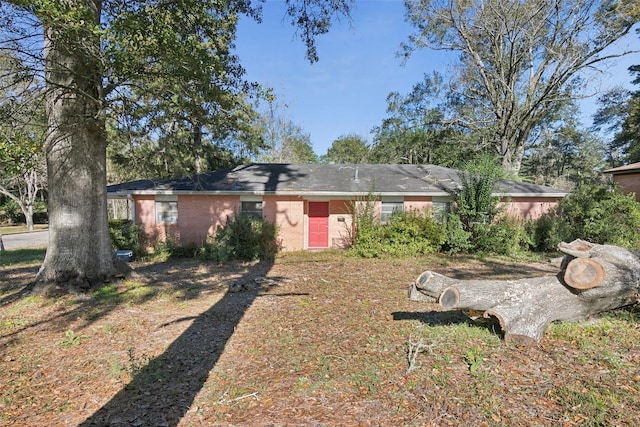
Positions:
(318, 224)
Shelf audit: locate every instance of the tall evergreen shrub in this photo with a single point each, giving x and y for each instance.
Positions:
(597, 213)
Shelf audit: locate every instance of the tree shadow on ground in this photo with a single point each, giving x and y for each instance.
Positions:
(163, 390)
(496, 270)
(434, 318)
(451, 317)
(178, 279)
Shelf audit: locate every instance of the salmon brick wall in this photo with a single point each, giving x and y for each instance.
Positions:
(417, 203)
(145, 216)
(339, 223)
(288, 214)
(199, 216)
(528, 207)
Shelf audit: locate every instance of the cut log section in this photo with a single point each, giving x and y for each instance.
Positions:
(584, 273)
(594, 278)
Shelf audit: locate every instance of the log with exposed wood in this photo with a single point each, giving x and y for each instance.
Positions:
(593, 278)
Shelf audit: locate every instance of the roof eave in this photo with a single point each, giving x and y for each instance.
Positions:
(549, 195)
(121, 194)
(273, 193)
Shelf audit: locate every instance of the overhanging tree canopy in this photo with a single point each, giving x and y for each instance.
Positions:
(518, 59)
(91, 48)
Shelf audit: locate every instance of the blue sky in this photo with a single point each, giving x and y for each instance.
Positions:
(345, 92)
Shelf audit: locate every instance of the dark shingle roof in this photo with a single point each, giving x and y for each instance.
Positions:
(323, 179)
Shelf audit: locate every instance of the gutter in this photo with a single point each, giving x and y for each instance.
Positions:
(129, 194)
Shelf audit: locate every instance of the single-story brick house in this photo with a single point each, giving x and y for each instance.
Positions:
(309, 202)
(628, 178)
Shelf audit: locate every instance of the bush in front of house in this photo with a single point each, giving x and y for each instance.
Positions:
(476, 223)
(405, 234)
(412, 233)
(457, 239)
(595, 213)
(505, 235)
(546, 232)
(243, 237)
(125, 235)
(367, 233)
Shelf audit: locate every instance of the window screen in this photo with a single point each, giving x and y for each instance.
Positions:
(388, 209)
(253, 208)
(440, 206)
(166, 212)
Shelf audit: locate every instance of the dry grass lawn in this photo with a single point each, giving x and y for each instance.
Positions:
(313, 339)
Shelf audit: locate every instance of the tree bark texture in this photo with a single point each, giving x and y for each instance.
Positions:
(593, 278)
(80, 254)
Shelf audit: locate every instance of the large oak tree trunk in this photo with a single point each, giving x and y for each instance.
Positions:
(79, 254)
(594, 278)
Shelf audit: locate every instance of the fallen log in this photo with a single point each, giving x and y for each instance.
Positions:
(593, 278)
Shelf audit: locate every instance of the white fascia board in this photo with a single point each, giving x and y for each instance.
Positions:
(550, 195)
(276, 193)
(324, 194)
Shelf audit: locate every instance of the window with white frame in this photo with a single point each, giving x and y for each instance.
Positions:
(390, 206)
(166, 209)
(251, 206)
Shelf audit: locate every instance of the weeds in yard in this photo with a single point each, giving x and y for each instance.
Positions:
(473, 359)
(115, 368)
(13, 323)
(303, 383)
(365, 380)
(109, 329)
(144, 368)
(136, 362)
(126, 292)
(588, 405)
(71, 339)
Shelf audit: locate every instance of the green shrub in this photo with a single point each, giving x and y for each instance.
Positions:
(162, 250)
(243, 237)
(506, 235)
(594, 213)
(548, 231)
(366, 233)
(405, 234)
(474, 202)
(457, 238)
(368, 240)
(412, 233)
(474, 223)
(125, 234)
(10, 212)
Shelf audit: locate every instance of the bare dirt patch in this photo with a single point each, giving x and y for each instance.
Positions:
(310, 339)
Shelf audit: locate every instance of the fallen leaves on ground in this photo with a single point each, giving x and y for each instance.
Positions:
(311, 339)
